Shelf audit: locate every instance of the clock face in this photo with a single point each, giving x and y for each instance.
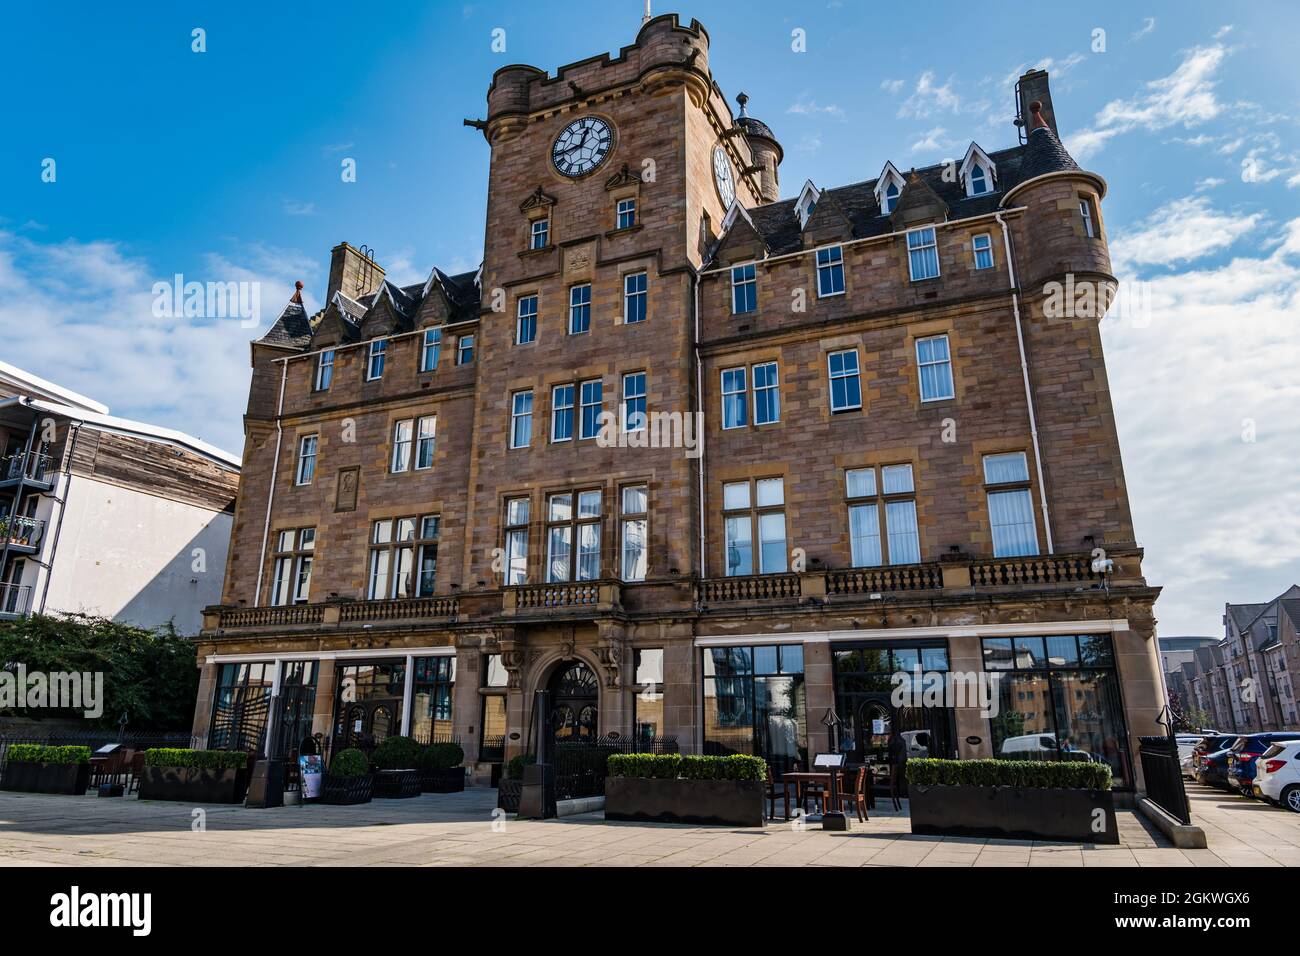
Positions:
(722, 176)
(582, 146)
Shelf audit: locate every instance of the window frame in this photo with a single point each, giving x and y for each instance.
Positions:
(913, 250)
(324, 376)
(1020, 486)
(640, 399)
(879, 499)
(421, 439)
(625, 208)
(774, 388)
(516, 416)
(544, 233)
(987, 249)
(625, 518)
(742, 392)
(530, 317)
(557, 408)
(292, 562)
(387, 556)
(462, 350)
(753, 513)
(583, 405)
(398, 443)
(748, 282)
(574, 525)
(304, 474)
(378, 351)
(580, 308)
(1088, 213)
(629, 296)
(512, 531)
(831, 377)
(921, 365)
(431, 344)
(830, 267)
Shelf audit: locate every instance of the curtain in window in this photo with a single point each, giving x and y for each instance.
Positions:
(864, 535)
(904, 542)
(1011, 515)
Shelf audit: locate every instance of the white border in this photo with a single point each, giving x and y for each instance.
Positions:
(376, 653)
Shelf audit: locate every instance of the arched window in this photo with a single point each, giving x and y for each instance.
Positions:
(979, 180)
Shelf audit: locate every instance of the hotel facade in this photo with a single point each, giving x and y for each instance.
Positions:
(708, 464)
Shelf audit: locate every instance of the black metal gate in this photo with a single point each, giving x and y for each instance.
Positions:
(1164, 776)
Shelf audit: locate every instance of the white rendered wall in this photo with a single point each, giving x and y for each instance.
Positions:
(130, 556)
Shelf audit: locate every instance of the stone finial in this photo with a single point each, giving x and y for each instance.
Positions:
(743, 100)
(297, 292)
(1036, 120)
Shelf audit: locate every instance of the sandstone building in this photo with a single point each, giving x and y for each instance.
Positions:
(459, 492)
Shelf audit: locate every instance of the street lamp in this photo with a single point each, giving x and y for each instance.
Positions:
(833, 818)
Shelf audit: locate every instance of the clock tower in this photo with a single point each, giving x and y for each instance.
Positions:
(609, 183)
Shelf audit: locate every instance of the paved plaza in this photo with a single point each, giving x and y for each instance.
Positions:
(462, 830)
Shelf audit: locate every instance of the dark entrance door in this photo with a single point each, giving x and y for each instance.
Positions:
(574, 701)
(368, 709)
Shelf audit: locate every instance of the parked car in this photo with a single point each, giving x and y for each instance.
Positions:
(1277, 775)
(1186, 744)
(1244, 754)
(1210, 743)
(1212, 771)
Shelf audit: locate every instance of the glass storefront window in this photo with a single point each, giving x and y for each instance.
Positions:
(1059, 699)
(754, 703)
(368, 707)
(433, 685)
(864, 702)
(240, 707)
(648, 698)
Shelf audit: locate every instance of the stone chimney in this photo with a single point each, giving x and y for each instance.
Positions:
(353, 272)
(1034, 88)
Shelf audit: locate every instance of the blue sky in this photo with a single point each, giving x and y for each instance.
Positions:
(225, 165)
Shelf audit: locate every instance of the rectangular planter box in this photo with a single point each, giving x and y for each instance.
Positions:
(397, 784)
(26, 777)
(193, 784)
(508, 793)
(346, 791)
(446, 780)
(1015, 813)
(737, 803)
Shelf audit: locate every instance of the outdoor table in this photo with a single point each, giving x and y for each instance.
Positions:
(801, 779)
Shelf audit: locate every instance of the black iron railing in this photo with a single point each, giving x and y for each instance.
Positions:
(492, 749)
(580, 762)
(94, 739)
(1164, 776)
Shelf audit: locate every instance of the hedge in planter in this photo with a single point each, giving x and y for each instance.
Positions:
(194, 776)
(396, 762)
(1014, 799)
(671, 788)
(39, 768)
(441, 770)
(348, 780)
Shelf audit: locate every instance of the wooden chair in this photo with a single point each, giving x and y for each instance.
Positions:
(895, 775)
(772, 793)
(858, 798)
(136, 772)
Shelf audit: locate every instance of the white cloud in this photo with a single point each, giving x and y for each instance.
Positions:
(1219, 516)
(81, 314)
(1185, 97)
(1180, 231)
(1148, 25)
(1209, 182)
(891, 86)
(931, 140)
(1058, 69)
(809, 107)
(929, 98)
(293, 207)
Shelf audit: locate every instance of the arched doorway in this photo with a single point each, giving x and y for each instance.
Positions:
(574, 701)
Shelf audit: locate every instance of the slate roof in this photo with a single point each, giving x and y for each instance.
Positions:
(293, 329)
(1291, 608)
(1243, 614)
(778, 223)
(1043, 154)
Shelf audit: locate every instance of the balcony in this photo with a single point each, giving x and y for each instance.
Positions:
(24, 533)
(15, 601)
(331, 614)
(956, 577)
(33, 468)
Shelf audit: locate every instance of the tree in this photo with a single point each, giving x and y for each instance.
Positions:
(150, 675)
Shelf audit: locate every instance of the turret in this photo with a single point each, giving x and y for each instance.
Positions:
(765, 149)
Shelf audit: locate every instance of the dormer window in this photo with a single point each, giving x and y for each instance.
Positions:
(978, 172)
(807, 202)
(891, 199)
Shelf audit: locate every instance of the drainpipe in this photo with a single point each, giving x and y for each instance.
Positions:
(74, 434)
(270, 495)
(699, 408)
(1024, 373)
